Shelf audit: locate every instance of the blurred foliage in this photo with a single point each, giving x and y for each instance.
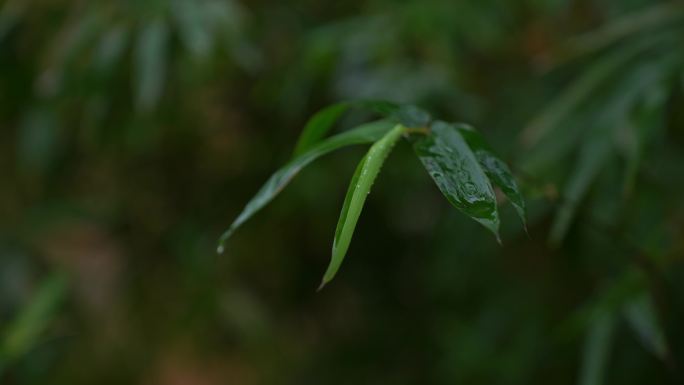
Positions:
(134, 131)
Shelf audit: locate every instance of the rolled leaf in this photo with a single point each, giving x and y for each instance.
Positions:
(458, 174)
(359, 187)
(366, 133)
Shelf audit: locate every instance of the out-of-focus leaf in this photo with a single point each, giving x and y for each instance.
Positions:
(563, 105)
(597, 346)
(193, 26)
(366, 133)
(111, 48)
(10, 14)
(26, 328)
(458, 174)
(359, 187)
(641, 316)
(150, 63)
(656, 16)
(38, 139)
(320, 124)
(592, 156)
(411, 116)
(496, 169)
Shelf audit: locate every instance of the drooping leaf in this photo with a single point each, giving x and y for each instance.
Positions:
(597, 346)
(359, 187)
(366, 133)
(320, 124)
(458, 174)
(496, 169)
(150, 68)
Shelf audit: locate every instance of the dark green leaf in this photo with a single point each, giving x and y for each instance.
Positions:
(366, 133)
(411, 116)
(495, 168)
(458, 174)
(641, 315)
(359, 187)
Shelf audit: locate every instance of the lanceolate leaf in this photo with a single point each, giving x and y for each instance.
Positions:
(360, 186)
(366, 133)
(495, 168)
(597, 350)
(458, 174)
(320, 124)
(150, 68)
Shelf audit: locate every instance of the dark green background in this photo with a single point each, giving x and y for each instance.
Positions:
(133, 132)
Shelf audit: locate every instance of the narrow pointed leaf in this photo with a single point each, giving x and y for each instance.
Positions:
(496, 169)
(366, 133)
(458, 174)
(360, 186)
(597, 346)
(320, 124)
(641, 315)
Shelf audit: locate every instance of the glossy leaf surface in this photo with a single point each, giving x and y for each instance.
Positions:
(359, 187)
(458, 174)
(366, 133)
(495, 168)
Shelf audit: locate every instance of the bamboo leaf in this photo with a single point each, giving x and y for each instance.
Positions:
(360, 186)
(496, 169)
(366, 133)
(320, 124)
(458, 174)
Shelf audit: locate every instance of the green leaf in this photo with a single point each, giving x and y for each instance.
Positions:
(360, 186)
(411, 116)
(458, 174)
(365, 133)
(592, 157)
(321, 123)
(641, 315)
(150, 63)
(23, 332)
(596, 349)
(496, 169)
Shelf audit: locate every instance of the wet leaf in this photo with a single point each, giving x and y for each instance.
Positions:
(366, 133)
(411, 116)
(359, 187)
(320, 124)
(458, 174)
(496, 169)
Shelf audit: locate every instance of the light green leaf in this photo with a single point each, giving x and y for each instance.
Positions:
(150, 63)
(366, 133)
(360, 186)
(320, 124)
(496, 169)
(458, 174)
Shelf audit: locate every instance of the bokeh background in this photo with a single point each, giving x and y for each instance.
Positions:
(133, 132)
